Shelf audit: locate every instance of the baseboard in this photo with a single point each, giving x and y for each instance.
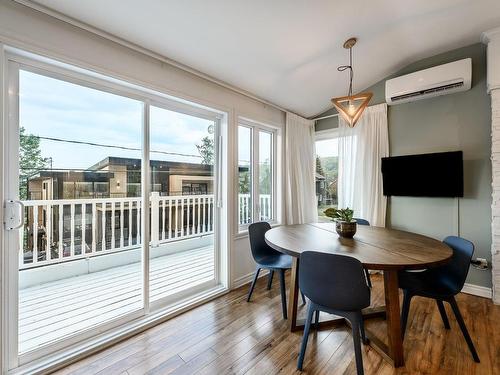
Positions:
(246, 279)
(476, 290)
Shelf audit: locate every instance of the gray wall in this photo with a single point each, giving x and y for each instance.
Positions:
(459, 121)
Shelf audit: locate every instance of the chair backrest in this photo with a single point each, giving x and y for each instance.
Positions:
(361, 221)
(260, 249)
(334, 281)
(456, 270)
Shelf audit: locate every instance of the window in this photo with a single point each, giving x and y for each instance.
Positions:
(256, 173)
(326, 172)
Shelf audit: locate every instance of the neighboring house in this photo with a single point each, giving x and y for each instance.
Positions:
(117, 177)
(112, 177)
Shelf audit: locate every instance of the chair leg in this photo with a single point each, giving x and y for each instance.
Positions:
(461, 323)
(405, 311)
(368, 280)
(303, 298)
(362, 329)
(442, 311)
(356, 329)
(270, 280)
(316, 320)
(305, 337)
(256, 276)
(283, 293)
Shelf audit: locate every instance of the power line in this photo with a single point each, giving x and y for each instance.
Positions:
(114, 146)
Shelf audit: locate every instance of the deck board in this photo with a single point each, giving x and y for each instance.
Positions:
(59, 308)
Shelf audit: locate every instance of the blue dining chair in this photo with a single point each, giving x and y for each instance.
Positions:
(441, 284)
(367, 273)
(268, 258)
(336, 285)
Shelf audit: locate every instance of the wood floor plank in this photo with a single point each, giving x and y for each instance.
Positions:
(231, 336)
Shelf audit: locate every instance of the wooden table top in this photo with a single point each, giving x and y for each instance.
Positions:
(377, 248)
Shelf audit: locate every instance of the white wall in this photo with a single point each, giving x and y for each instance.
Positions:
(36, 32)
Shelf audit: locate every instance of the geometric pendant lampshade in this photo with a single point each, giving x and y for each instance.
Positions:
(351, 107)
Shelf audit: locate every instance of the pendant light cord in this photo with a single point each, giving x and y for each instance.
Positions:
(351, 71)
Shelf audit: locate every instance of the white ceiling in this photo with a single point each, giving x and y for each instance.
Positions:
(287, 51)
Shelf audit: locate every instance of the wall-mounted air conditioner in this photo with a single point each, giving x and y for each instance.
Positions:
(439, 80)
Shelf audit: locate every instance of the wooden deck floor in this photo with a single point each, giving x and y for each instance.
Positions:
(60, 308)
(231, 336)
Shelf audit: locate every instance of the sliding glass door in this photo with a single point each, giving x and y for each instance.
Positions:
(182, 193)
(112, 206)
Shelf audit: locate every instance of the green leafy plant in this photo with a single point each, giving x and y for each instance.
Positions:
(343, 214)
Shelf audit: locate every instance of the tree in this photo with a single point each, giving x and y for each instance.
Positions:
(265, 181)
(244, 180)
(319, 167)
(206, 150)
(30, 160)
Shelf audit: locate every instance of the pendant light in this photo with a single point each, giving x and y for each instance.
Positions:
(351, 106)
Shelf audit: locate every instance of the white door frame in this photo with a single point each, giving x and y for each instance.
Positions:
(9, 69)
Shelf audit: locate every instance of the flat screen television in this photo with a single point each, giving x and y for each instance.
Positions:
(425, 175)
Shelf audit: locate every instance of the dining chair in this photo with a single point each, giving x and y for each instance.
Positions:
(367, 273)
(334, 284)
(441, 284)
(268, 258)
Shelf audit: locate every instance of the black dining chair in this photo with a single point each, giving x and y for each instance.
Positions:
(268, 258)
(367, 273)
(336, 285)
(441, 284)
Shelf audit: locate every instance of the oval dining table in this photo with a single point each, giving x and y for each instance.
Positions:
(381, 249)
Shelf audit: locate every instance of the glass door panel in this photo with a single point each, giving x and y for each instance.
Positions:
(79, 181)
(182, 204)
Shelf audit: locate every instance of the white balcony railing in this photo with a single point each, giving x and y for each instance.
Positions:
(67, 229)
(245, 208)
(62, 230)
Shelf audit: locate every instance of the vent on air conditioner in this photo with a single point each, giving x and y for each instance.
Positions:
(427, 91)
(438, 80)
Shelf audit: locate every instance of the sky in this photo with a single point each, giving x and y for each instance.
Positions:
(58, 109)
(327, 147)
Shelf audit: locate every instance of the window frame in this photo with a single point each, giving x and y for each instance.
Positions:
(255, 129)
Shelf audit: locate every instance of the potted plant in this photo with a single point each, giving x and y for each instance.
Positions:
(345, 225)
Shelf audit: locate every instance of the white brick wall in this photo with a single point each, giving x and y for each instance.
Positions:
(495, 207)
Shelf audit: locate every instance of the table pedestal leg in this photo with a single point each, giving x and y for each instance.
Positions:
(393, 317)
(294, 295)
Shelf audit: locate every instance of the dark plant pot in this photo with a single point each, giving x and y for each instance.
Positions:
(345, 229)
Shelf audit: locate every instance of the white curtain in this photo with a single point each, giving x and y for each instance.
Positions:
(300, 170)
(360, 152)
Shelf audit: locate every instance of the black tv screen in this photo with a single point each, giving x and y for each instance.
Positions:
(425, 175)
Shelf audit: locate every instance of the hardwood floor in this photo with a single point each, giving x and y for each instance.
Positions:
(231, 336)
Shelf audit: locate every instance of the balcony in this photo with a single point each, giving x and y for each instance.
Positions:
(80, 262)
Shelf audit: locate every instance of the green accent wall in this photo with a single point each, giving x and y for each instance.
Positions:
(460, 121)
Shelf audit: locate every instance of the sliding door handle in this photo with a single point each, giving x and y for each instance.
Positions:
(14, 219)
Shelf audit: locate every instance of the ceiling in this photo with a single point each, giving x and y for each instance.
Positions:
(287, 51)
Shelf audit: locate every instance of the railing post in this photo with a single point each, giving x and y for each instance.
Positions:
(155, 218)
